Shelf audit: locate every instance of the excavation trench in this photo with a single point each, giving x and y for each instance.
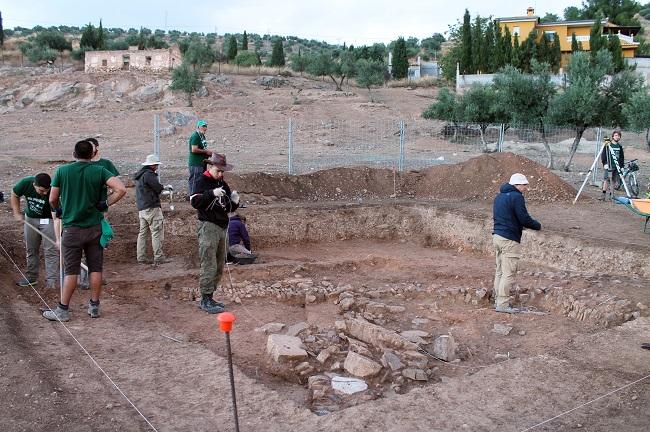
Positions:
(377, 289)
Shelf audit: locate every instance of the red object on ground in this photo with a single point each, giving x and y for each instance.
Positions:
(225, 321)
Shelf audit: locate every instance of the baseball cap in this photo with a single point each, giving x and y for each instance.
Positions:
(201, 123)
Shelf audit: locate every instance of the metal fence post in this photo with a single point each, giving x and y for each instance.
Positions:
(290, 137)
(402, 149)
(156, 139)
(599, 141)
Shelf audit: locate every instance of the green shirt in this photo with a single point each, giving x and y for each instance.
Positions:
(197, 139)
(38, 206)
(105, 163)
(80, 185)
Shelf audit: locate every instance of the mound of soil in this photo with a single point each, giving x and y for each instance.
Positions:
(477, 178)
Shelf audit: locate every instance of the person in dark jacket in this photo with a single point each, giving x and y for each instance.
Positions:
(213, 200)
(239, 243)
(147, 199)
(510, 218)
(614, 148)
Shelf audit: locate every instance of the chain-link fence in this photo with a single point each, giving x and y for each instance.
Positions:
(300, 146)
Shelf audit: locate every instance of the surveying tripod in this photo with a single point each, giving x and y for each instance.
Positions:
(612, 156)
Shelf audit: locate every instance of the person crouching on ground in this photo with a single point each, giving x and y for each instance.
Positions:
(147, 200)
(239, 243)
(213, 200)
(510, 218)
(37, 218)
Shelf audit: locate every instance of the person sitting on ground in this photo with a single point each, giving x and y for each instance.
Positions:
(37, 219)
(147, 200)
(239, 243)
(609, 165)
(510, 218)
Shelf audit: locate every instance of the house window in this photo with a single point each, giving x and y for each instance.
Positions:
(550, 35)
(147, 60)
(515, 31)
(104, 62)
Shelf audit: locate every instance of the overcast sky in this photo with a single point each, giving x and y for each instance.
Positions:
(336, 21)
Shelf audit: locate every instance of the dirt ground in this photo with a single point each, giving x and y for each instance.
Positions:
(403, 251)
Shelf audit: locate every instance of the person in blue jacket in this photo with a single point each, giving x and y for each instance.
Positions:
(510, 218)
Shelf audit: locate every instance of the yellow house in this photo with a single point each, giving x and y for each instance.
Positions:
(523, 25)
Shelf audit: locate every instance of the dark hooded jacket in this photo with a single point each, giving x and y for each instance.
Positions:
(147, 189)
(237, 233)
(210, 208)
(510, 214)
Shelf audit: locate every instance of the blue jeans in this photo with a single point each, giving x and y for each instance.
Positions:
(195, 173)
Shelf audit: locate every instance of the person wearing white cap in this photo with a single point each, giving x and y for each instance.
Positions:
(510, 218)
(147, 199)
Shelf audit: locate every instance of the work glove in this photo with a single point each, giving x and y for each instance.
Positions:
(102, 206)
(218, 192)
(606, 166)
(169, 187)
(234, 197)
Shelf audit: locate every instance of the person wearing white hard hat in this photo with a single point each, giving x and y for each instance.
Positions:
(147, 199)
(510, 218)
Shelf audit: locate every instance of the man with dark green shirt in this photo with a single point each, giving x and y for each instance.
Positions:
(198, 154)
(104, 163)
(37, 218)
(76, 202)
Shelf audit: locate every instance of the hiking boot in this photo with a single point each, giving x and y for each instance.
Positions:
(161, 261)
(210, 306)
(93, 310)
(145, 261)
(507, 309)
(26, 282)
(57, 314)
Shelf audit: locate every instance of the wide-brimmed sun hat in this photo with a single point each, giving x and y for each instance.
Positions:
(152, 159)
(219, 161)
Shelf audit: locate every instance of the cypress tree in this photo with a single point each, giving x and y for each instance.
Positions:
(575, 45)
(507, 45)
(499, 54)
(515, 58)
(2, 34)
(556, 55)
(88, 37)
(466, 63)
(101, 37)
(244, 42)
(277, 55)
(488, 51)
(543, 54)
(232, 48)
(400, 59)
(596, 39)
(614, 47)
(477, 46)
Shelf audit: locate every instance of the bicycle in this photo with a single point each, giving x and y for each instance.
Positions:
(629, 175)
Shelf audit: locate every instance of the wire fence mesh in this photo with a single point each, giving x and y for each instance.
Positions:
(300, 146)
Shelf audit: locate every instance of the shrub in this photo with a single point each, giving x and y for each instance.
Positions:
(246, 58)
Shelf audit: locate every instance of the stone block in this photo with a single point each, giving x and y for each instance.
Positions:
(360, 366)
(284, 348)
(444, 347)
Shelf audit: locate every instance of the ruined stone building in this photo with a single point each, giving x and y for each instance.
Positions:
(145, 60)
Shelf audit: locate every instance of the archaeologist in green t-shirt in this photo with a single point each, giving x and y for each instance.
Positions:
(105, 163)
(37, 219)
(198, 147)
(75, 199)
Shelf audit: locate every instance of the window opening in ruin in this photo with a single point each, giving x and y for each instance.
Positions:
(104, 62)
(147, 61)
(125, 62)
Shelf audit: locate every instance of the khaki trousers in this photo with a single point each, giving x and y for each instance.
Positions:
(33, 243)
(507, 253)
(151, 224)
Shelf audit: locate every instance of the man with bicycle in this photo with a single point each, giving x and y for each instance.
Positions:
(609, 165)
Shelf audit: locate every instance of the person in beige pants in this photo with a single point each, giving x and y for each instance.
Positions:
(510, 218)
(147, 198)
